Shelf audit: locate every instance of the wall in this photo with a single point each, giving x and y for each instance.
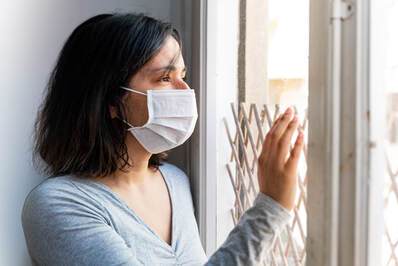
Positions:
(31, 35)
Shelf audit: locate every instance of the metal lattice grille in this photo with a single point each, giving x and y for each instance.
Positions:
(391, 192)
(251, 124)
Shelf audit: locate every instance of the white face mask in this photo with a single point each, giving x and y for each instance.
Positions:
(172, 116)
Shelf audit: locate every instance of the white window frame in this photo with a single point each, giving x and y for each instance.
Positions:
(345, 207)
(203, 163)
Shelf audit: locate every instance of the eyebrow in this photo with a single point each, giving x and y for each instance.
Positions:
(167, 68)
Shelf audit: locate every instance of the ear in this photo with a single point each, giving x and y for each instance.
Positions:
(112, 111)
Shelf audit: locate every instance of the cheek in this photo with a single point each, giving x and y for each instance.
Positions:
(137, 111)
(141, 81)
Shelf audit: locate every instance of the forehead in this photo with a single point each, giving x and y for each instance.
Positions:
(169, 55)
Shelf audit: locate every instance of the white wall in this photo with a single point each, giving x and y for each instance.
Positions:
(31, 35)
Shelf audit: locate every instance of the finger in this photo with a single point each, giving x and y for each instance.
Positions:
(281, 127)
(293, 160)
(266, 147)
(268, 140)
(265, 150)
(275, 123)
(285, 140)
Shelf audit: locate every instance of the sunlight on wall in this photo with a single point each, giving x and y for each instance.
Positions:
(288, 52)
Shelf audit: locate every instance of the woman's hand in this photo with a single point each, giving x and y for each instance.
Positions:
(277, 165)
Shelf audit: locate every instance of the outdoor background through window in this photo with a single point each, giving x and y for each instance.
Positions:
(286, 84)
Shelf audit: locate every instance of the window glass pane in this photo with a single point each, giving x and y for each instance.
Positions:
(285, 83)
(390, 241)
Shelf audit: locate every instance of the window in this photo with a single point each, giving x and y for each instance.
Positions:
(389, 88)
(272, 74)
(342, 79)
(226, 86)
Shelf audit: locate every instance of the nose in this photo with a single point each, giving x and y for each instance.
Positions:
(181, 85)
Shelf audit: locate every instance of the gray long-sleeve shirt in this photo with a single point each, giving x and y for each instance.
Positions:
(72, 221)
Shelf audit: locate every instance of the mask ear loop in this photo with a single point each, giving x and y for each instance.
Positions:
(130, 125)
(135, 91)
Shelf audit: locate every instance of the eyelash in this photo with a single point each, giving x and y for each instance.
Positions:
(167, 77)
(163, 79)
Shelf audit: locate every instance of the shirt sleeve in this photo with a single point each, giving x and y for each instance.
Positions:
(63, 230)
(252, 237)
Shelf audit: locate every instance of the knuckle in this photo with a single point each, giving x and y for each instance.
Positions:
(292, 125)
(281, 144)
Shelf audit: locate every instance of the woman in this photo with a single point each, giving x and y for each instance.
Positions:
(115, 102)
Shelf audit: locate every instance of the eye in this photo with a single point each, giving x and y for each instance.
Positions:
(165, 79)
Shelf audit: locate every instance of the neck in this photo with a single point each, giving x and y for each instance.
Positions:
(139, 160)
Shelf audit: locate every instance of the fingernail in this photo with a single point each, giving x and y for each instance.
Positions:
(288, 110)
(295, 119)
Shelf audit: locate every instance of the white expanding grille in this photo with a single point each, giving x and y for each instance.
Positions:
(251, 123)
(391, 190)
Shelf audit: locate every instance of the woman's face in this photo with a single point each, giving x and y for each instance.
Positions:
(166, 70)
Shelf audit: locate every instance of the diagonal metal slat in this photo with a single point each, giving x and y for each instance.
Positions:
(251, 124)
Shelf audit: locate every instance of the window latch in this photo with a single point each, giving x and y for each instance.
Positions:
(342, 10)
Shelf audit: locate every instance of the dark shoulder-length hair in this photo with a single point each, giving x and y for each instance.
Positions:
(74, 133)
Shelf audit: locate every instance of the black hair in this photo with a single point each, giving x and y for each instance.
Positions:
(74, 133)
